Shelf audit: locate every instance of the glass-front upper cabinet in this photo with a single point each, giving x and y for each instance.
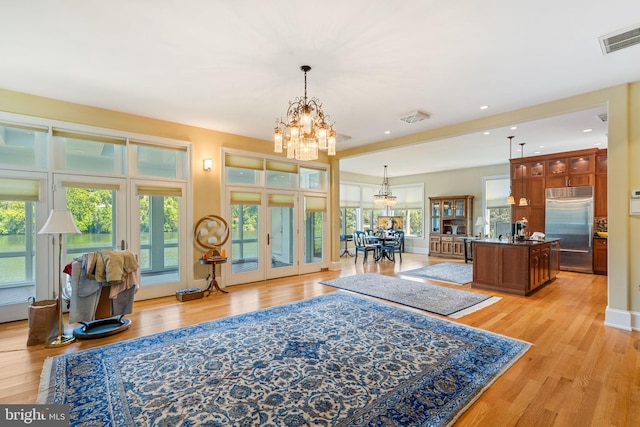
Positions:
(602, 164)
(536, 170)
(435, 216)
(582, 164)
(447, 208)
(557, 167)
(459, 208)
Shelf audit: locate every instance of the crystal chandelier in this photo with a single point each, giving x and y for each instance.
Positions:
(384, 196)
(306, 129)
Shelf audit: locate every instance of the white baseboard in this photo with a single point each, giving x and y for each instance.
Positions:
(621, 319)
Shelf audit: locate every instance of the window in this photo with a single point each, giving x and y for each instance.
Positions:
(496, 210)
(89, 152)
(23, 145)
(154, 160)
(357, 199)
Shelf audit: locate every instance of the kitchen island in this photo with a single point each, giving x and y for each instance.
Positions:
(519, 267)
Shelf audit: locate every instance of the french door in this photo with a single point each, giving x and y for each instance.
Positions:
(151, 223)
(273, 234)
(281, 235)
(159, 224)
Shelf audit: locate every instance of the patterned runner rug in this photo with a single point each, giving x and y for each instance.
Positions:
(450, 272)
(337, 360)
(424, 296)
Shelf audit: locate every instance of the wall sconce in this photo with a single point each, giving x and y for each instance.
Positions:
(207, 164)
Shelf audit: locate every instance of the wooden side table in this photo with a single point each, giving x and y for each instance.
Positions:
(213, 283)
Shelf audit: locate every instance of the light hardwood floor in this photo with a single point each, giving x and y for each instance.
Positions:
(577, 373)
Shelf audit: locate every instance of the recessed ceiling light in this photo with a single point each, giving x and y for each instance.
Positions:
(598, 143)
(536, 152)
(387, 132)
(542, 146)
(587, 130)
(484, 107)
(514, 127)
(486, 133)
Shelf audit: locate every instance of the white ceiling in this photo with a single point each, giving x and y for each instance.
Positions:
(233, 66)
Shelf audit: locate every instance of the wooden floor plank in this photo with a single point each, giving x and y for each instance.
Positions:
(578, 371)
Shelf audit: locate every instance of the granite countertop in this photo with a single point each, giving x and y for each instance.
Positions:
(505, 241)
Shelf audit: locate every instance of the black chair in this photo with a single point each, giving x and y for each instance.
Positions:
(468, 250)
(391, 247)
(363, 246)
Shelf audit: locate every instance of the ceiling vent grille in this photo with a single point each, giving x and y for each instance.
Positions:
(620, 40)
(414, 116)
(341, 138)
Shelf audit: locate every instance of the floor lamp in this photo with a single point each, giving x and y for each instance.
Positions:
(60, 222)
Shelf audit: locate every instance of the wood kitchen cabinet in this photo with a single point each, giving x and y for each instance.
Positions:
(574, 171)
(517, 268)
(600, 256)
(600, 206)
(531, 176)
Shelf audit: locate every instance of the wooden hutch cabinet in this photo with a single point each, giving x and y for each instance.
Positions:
(451, 220)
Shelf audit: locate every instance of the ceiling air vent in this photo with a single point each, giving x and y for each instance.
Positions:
(620, 40)
(414, 116)
(342, 138)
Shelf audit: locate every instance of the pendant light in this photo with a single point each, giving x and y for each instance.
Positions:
(510, 200)
(523, 200)
(384, 196)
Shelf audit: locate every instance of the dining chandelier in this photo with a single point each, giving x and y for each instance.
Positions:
(306, 129)
(384, 196)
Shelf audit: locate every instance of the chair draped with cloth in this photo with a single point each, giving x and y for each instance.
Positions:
(363, 246)
(391, 247)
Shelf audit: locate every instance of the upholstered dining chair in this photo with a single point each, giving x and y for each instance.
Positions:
(363, 246)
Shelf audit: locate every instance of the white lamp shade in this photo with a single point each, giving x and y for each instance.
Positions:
(60, 221)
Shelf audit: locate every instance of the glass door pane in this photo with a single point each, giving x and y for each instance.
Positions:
(159, 236)
(94, 211)
(243, 248)
(98, 208)
(313, 233)
(17, 254)
(159, 239)
(281, 242)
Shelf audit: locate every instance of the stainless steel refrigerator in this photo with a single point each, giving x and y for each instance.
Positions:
(569, 217)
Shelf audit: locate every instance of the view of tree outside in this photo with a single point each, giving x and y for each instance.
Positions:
(348, 220)
(499, 221)
(15, 235)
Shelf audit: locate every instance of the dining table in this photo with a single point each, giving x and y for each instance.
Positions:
(379, 241)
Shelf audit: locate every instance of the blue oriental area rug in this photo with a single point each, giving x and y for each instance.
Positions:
(334, 360)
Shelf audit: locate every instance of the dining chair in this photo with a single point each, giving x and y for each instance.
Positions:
(364, 247)
(390, 247)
